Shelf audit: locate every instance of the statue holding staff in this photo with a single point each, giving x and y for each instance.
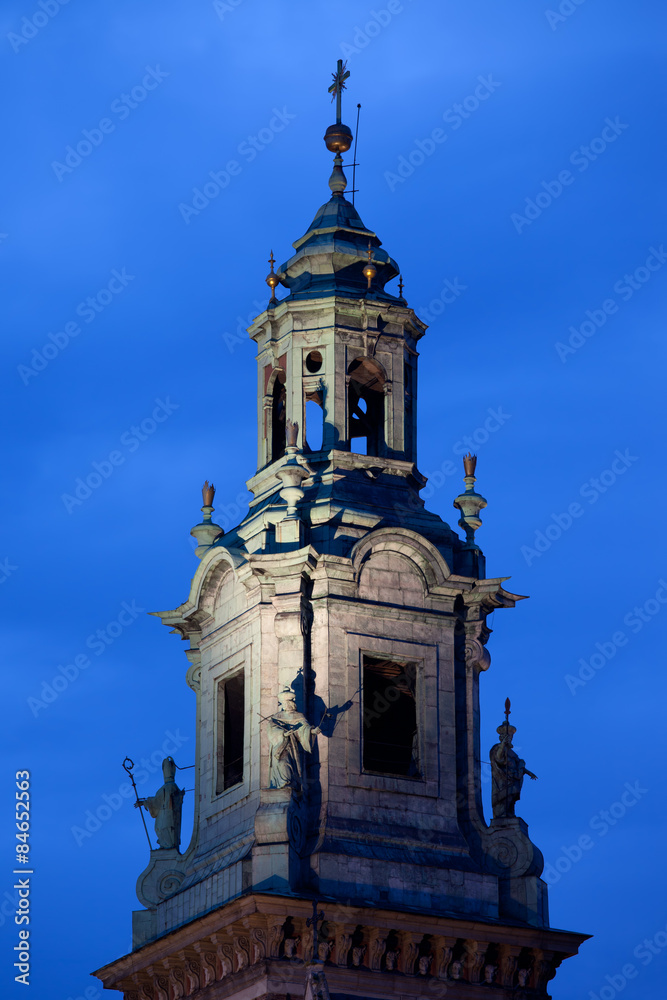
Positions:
(507, 771)
(165, 808)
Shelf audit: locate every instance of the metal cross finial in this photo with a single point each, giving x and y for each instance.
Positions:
(312, 922)
(338, 86)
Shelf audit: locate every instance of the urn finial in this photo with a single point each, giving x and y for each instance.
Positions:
(470, 503)
(206, 531)
(207, 493)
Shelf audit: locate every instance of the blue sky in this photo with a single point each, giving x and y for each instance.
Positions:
(542, 206)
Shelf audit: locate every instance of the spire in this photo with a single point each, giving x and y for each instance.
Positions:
(338, 137)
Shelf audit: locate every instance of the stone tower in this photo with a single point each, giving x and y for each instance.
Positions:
(336, 640)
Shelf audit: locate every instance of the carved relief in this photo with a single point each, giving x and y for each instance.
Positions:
(224, 961)
(177, 979)
(208, 967)
(443, 961)
(490, 973)
(343, 943)
(391, 960)
(191, 975)
(409, 952)
(291, 945)
(476, 952)
(253, 939)
(424, 965)
(509, 959)
(241, 951)
(358, 955)
(274, 938)
(161, 985)
(456, 970)
(324, 950)
(476, 654)
(258, 944)
(523, 976)
(378, 947)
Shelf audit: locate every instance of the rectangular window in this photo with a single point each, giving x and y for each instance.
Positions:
(390, 736)
(231, 720)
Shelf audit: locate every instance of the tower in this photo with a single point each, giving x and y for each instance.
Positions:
(336, 642)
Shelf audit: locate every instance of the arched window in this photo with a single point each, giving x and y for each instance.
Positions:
(278, 417)
(366, 406)
(314, 432)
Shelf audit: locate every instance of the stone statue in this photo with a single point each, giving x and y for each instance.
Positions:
(165, 808)
(523, 976)
(455, 970)
(289, 732)
(390, 959)
(507, 771)
(424, 965)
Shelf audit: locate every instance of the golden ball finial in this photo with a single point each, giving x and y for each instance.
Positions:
(272, 279)
(338, 138)
(370, 269)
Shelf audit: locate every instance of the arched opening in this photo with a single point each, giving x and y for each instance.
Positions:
(314, 431)
(366, 406)
(279, 397)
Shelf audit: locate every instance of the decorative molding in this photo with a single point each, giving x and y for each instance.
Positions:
(476, 654)
(184, 965)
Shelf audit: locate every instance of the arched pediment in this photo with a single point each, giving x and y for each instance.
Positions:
(406, 552)
(218, 563)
